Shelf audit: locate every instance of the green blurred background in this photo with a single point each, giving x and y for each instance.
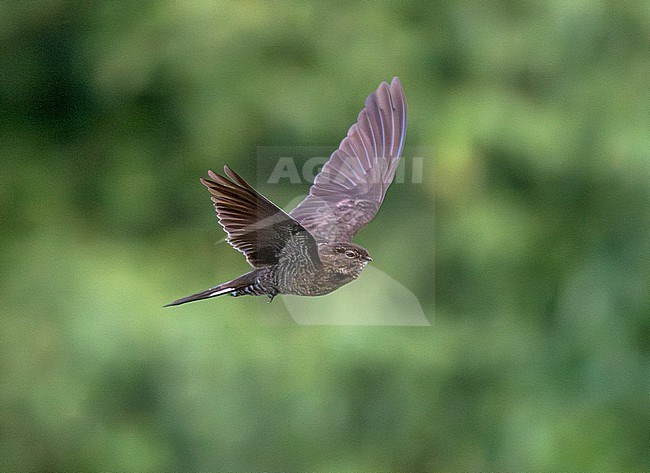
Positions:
(535, 198)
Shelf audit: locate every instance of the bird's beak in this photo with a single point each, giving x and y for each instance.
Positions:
(367, 258)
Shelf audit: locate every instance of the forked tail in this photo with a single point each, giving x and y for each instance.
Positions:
(236, 287)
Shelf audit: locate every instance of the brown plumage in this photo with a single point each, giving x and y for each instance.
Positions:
(309, 251)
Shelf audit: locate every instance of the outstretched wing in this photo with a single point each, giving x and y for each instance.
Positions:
(255, 226)
(348, 191)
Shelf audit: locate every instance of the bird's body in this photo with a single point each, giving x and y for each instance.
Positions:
(309, 251)
(292, 275)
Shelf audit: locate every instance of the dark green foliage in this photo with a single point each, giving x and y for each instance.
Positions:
(527, 242)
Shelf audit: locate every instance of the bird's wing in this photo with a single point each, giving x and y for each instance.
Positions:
(255, 226)
(348, 191)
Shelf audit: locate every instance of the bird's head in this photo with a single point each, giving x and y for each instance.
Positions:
(345, 258)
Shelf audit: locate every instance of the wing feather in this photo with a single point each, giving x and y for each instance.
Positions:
(348, 191)
(255, 226)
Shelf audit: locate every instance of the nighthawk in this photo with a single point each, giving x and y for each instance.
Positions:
(309, 251)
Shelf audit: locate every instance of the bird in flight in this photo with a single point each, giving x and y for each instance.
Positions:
(309, 251)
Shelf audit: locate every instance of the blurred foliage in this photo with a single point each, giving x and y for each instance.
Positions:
(536, 199)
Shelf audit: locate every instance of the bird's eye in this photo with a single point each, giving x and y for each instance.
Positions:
(350, 254)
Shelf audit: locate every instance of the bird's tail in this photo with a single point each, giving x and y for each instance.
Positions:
(236, 287)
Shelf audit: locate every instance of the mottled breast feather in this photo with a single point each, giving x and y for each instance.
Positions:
(348, 191)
